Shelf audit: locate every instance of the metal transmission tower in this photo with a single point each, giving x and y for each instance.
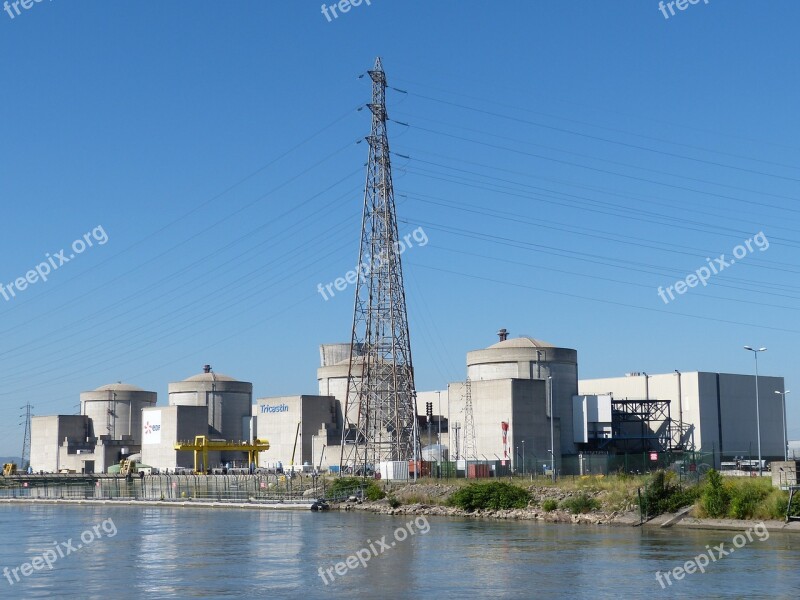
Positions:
(470, 446)
(26, 438)
(380, 416)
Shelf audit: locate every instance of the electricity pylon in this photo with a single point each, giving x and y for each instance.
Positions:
(26, 438)
(470, 445)
(380, 415)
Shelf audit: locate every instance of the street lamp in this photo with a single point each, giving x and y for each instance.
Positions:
(552, 434)
(758, 412)
(785, 444)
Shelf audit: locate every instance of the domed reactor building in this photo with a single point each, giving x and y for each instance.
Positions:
(108, 430)
(511, 385)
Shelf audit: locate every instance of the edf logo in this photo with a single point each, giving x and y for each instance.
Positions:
(148, 429)
(266, 408)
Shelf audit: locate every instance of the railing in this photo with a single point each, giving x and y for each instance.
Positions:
(219, 488)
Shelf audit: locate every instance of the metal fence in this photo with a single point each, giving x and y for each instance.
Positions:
(219, 488)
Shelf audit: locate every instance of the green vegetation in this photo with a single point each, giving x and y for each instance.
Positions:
(394, 502)
(662, 495)
(716, 497)
(580, 504)
(744, 498)
(349, 486)
(493, 495)
(549, 505)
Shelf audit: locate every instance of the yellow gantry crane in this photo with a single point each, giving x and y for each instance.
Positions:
(202, 445)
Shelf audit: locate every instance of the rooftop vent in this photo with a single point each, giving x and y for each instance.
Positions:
(503, 334)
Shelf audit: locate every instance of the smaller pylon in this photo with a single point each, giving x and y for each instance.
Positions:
(26, 438)
(470, 445)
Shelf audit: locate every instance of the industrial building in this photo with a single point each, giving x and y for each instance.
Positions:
(208, 404)
(290, 423)
(714, 413)
(510, 386)
(108, 430)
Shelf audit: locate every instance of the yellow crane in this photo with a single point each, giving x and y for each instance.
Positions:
(202, 445)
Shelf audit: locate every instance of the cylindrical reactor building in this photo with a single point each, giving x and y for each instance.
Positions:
(116, 410)
(229, 402)
(528, 358)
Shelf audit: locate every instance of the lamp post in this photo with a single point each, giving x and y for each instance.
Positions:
(785, 443)
(758, 412)
(523, 458)
(552, 434)
(439, 419)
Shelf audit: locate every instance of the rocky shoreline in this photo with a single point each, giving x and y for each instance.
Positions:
(430, 500)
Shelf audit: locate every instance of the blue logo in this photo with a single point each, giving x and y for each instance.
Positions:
(266, 408)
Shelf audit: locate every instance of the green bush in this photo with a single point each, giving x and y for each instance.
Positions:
(493, 495)
(374, 492)
(716, 497)
(661, 495)
(394, 502)
(349, 486)
(345, 486)
(794, 510)
(580, 504)
(745, 499)
(549, 505)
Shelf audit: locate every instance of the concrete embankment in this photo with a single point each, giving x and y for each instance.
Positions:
(164, 503)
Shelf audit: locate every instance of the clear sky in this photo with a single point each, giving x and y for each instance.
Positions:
(564, 159)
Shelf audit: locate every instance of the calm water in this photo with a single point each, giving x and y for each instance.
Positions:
(195, 553)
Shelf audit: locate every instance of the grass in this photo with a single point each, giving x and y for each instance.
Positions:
(494, 495)
(744, 498)
(580, 504)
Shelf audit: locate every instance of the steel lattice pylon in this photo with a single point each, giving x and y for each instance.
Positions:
(26, 438)
(380, 421)
(470, 445)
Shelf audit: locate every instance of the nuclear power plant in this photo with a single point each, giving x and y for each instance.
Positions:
(520, 407)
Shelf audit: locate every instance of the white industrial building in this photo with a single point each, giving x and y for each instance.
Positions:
(512, 383)
(208, 404)
(710, 412)
(290, 424)
(107, 431)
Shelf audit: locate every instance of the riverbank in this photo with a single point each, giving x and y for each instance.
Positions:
(381, 507)
(608, 501)
(599, 518)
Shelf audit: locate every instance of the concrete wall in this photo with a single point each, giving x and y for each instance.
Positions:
(177, 423)
(277, 420)
(125, 406)
(227, 402)
(519, 402)
(516, 359)
(47, 433)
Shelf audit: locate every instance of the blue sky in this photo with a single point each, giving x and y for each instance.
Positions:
(565, 159)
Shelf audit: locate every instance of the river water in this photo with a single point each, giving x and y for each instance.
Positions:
(133, 552)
